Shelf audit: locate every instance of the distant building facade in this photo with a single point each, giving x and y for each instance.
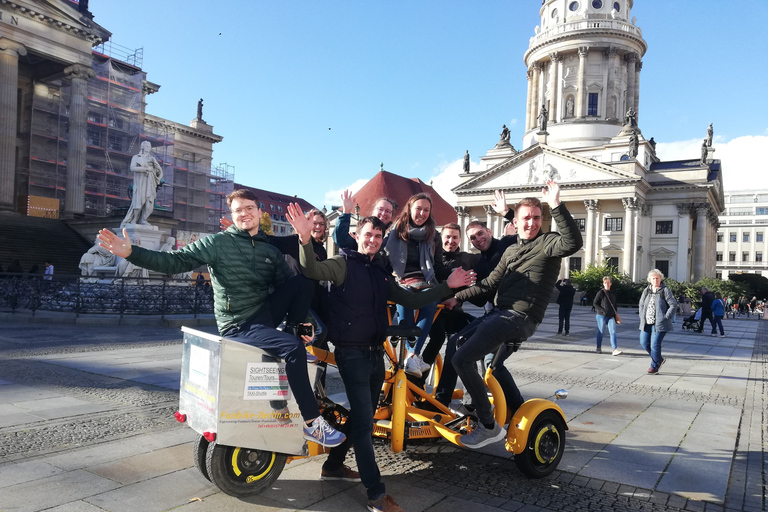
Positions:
(742, 239)
(276, 205)
(582, 126)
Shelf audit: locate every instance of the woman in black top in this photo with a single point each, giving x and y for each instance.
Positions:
(605, 307)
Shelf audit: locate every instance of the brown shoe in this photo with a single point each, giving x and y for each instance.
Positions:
(384, 504)
(344, 474)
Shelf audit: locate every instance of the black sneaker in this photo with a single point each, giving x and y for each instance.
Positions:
(343, 474)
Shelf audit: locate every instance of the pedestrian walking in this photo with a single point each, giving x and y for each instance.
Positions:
(657, 309)
(606, 315)
(718, 312)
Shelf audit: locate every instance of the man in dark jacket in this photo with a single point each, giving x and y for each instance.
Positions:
(252, 292)
(707, 297)
(361, 286)
(565, 300)
(523, 282)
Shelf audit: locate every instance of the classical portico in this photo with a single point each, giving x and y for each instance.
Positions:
(44, 40)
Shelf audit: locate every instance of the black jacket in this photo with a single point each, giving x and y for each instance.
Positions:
(604, 303)
(567, 292)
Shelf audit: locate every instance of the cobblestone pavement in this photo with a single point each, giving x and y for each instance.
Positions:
(120, 408)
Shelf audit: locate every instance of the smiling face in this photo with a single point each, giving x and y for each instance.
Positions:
(245, 215)
(528, 222)
(383, 210)
(450, 239)
(369, 240)
(420, 212)
(318, 228)
(480, 237)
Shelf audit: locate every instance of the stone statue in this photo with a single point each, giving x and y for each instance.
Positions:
(466, 161)
(634, 144)
(569, 107)
(200, 109)
(631, 118)
(543, 115)
(147, 176)
(97, 256)
(704, 152)
(652, 143)
(710, 132)
(504, 137)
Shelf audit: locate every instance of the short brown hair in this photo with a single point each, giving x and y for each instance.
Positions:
(242, 193)
(452, 225)
(476, 224)
(374, 221)
(528, 201)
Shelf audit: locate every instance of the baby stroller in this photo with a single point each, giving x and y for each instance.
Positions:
(692, 323)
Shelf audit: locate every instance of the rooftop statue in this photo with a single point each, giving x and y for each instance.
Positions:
(710, 133)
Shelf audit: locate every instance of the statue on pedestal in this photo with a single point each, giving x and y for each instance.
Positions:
(634, 144)
(631, 118)
(569, 107)
(504, 137)
(466, 162)
(97, 256)
(710, 133)
(543, 117)
(200, 110)
(147, 176)
(704, 152)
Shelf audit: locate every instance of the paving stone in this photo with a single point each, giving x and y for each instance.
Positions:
(57, 490)
(25, 471)
(145, 466)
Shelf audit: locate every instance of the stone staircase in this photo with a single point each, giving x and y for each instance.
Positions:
(32, 240)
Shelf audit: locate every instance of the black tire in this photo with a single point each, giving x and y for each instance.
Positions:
(199, 452)
(545, 446)
(242, 472)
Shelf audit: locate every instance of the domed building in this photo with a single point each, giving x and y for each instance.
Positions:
(583, 129)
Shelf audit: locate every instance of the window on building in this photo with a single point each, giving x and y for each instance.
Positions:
(741, 211)
(272, 207)
(761, 211)
(719, 276)
(95, 117)
(279, 208)
(759, 236)
(612, 262)
(592, 104)
(732, 237)
(745, 256)
(663, 227)
(115, 143)
(745, 237)
(743, 199)
(613, 223)
(261, 204)
(719, 256)
(95, 138)
(759, 256)
(575, 264)
(719, 237)
(582, 223)
(663, 265)
(731, 256)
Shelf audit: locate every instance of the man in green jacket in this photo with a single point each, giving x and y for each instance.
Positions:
(523, 282)
(253, 290)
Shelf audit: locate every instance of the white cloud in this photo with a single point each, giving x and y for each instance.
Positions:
(742, 158)
(333, 197)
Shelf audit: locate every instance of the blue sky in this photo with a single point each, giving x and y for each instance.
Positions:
(311, 96)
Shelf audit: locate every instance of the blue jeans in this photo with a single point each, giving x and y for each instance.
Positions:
(426, 315)
(602, 321)
(483, 336)
(362, 371)
(718, 322)
(650, 340)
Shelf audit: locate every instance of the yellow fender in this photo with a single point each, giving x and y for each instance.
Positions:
(398, 411)
(520, 425)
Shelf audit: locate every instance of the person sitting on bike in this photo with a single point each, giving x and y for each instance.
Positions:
(415, 254)
(361, 287)
(253, 291)
(523, 282)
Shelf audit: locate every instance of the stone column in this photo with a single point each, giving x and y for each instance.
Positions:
(490, 219)
(529, 77)
(683, 236)
(589, 245)
(535, 94)
(636, 243)
(553, 64)
(637, 90)
(611, 107)
(631, 59)
(582, 80)
(630, 207)
(541, 97)
(79, 75)
(700, 251)
(9, 85)
(461, 212)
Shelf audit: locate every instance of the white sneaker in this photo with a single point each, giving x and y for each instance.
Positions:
(412, 366)
(422, 365)
(616, 352)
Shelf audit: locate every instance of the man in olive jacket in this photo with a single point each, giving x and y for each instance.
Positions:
(253, 290)
(523, 281)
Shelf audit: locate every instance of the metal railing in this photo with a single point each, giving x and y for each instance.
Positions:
(114, 295)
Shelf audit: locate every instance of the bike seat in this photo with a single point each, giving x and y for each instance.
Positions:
(404, 331)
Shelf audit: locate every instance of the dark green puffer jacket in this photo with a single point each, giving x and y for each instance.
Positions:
(526, 275)
(244, 270)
